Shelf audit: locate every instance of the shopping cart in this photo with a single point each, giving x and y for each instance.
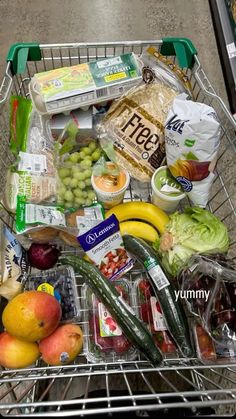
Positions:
(134, 386)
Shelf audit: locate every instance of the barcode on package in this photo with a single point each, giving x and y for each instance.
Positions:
(102, 92)
(32, 162)
(37, 167)
(158, 277)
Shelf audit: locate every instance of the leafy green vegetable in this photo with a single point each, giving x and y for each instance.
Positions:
(194, 231)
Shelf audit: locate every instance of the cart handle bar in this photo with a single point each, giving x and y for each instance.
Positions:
(182, 48)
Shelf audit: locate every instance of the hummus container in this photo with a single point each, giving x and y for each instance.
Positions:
(166, 191)
(110, 189)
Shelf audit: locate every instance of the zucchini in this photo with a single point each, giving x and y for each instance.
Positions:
(164, 291)
(132, 327)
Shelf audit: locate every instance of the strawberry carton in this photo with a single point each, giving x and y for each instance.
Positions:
(105, 340)
(150, 312)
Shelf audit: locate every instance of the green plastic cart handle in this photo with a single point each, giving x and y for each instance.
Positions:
(19, 54)
(183, 48)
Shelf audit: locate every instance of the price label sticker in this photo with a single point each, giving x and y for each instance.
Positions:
(231, 49)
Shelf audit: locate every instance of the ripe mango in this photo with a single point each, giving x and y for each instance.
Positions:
(32, 315)
(62, 346)
(16, 353)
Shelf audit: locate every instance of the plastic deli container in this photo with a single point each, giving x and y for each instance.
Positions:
(166, 191)
(150, 313)
(209, 350)
(104, 340)
(205, 348)
(210, 288)
(59, 282)
(110, 189)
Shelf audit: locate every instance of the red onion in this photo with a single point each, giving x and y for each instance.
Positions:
(43, 256)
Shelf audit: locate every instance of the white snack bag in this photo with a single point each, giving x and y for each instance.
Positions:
(192, 138)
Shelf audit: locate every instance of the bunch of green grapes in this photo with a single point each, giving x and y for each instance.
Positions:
(75, 188)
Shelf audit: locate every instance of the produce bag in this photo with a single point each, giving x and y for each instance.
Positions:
(192, 138)
(74, 163)
(209, 287)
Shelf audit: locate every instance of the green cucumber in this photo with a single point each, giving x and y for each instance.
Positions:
(164, 291)
(132, 327)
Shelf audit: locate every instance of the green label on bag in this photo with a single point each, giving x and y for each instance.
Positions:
(20, 213)
(28, 215)
(150, 263)
(189, 143)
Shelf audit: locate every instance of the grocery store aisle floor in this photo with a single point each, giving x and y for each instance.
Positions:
(58, 21)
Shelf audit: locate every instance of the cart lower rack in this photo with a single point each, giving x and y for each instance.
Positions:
(135, 386)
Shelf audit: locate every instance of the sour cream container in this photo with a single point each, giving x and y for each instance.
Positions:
(166, 191)
(110, 189)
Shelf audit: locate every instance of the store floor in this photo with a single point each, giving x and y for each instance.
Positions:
(58, 21)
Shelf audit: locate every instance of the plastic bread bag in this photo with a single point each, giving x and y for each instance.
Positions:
(14, 267)
(30, 139)
(74, 163)
(209, 287)
(37, 189)
(192, 138)
(33, 172)
(45, 223)
(166, 71)
(133, 128)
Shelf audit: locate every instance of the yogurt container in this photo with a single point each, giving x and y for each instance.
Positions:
(166, 191)
(110, 189)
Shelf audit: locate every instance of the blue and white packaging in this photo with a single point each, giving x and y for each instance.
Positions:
(104, 245)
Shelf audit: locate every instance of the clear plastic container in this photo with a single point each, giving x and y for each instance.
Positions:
(104, 340)
(59, 282)
(205, 347)
(149, 311)
(209, 288)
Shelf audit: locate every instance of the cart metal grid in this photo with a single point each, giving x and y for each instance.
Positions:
(180, 383)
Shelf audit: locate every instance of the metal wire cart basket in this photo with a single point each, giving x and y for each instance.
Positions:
(83, 389)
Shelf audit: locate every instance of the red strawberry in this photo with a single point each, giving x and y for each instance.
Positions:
(105, 344)
(145, 288)
(146, 313)
(158, 307)
(111, 323)
(121, 344)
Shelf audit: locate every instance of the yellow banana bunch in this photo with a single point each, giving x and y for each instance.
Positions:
(140, 211)
(139, 229)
